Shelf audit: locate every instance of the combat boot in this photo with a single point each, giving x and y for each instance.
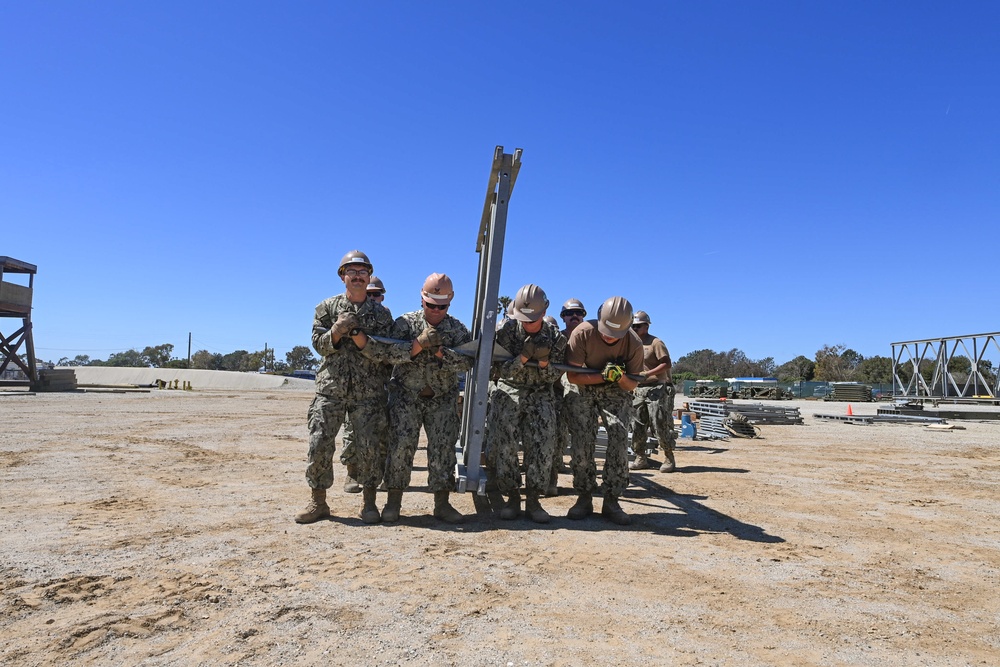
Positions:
(639, 463)
(316, 509)
(669, 465)
(613, 511)
(443, 509)
(582, 508)
(552, 489)
(351, 485)
(512, 507)
(390, 512)
(369, 513)
(534, 509)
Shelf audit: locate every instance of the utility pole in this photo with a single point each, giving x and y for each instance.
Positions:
(189, 349)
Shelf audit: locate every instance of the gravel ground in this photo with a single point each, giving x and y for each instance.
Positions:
(156, 529)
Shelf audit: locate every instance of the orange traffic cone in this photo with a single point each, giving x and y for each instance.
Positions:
(849, 412)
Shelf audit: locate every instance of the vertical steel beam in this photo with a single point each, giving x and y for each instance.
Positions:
(470, 471)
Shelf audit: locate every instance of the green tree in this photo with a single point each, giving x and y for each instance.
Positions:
(301, 358)
(158, 356)
(800, 368)
(206, 360)
(235, 361)
(875, 370)
(127, 359)
(505, 302)
(835, 363)
(78, 360)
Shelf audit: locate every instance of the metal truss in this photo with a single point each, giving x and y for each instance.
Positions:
(470, 471)
(980, 349)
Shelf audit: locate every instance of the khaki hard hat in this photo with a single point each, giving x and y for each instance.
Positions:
(641, 317)
(551, 320)
(354, 257)
(614, 318)
(437, 289)
(572, 304)
(529, 304)
(375, 285)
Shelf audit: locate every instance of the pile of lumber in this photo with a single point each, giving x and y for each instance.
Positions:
(56, 379)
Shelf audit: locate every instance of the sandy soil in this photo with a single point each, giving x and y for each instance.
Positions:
(157, 529)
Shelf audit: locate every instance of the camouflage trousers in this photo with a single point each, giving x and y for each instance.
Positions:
(562, 438)
(613, 406)
(521, 418)
(439, 417)
(326, 415)
(347, 453)
(653, 410)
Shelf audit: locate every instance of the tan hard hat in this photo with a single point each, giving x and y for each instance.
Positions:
(614, 318)
(572, 304)
(529, 304)
(354, 257)
(437, 289)
(375, 285)
(551, 320)
(641, 317)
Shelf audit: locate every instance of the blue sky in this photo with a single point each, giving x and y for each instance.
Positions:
(768, 176)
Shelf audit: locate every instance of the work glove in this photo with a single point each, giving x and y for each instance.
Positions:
(345, 324)
(536, 347)
(430, 339)
(613, 372)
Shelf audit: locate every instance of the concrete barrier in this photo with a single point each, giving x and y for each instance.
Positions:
(199, 379)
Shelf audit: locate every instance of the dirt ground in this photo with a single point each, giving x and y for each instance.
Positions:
(156, 529)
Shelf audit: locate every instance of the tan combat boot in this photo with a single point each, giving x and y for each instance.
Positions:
(316, 509)
(534, 509)
(390, 512)
(512, 507)
(369, 513)
(582, 508)
(639, 463)
(443, 509)
(351, 485)
(613, 511)
(669, 465)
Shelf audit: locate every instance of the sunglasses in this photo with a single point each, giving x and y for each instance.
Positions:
(573, 313)
(434, 306)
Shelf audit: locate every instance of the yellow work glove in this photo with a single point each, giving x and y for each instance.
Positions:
(613, 372)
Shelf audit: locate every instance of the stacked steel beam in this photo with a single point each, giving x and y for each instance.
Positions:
(758, 413)
(851, 392)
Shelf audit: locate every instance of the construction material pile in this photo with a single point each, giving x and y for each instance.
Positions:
(722, 419)
(56, 379)
(850, 392)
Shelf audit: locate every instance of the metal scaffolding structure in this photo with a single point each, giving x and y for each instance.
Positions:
(15, 301)
(470, 471)
(981, 382)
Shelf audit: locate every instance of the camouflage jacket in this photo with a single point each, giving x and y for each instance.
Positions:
(425, 369)
(345, 370)
(511, 337)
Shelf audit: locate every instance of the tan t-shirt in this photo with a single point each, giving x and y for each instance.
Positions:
(587, 348)
(654, 353)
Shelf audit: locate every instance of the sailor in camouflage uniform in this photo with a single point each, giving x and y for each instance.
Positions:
(376, 292)
(608, 345)
(654, 400)
(423, 391)
(572, 314)
(348, 383)
(522, 404)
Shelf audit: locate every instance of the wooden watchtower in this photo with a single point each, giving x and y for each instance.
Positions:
(15, 301)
